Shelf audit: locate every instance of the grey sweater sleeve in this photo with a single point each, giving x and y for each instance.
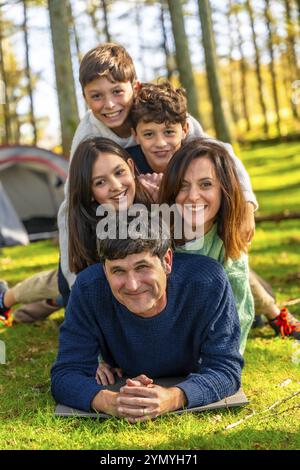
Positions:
(63, 230)
(83, 131)
(62, 222)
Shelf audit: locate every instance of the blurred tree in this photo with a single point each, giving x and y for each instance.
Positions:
(298, 6)
(291, 36)
(59, 22)
(183, 60)
(162, 26)
(220, 122)
(165, 47)
(19, 82)
(138, 13)
(104, 5)
(291, 50)
(14, 84)
(15, 91)
(243, 68)
(271, 31)
(232, 84)
(73, 28)
(28, 72)
(260, 84)
(91, 9)
(3, 76)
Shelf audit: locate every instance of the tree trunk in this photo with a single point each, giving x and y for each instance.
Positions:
(140, 39)
(183, 60)
(232, 87)
(298, 7)
(105, 17)
(15, 123)
(4, 95)
(91, 11)
(243, 73)
(270, 28)
(258, 68)
(220, 124)
(291, 37)
(74, 30)
(291, 51)
(28, 74)
(59, 21)
(165, 46)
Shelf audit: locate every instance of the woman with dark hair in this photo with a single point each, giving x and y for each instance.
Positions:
(101, 172)
(201, 177)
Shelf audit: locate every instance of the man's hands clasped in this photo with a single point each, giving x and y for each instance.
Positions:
(138, 400)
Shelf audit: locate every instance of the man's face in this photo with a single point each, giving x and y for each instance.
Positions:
(139, 282)
(110, 102)
(159, 142)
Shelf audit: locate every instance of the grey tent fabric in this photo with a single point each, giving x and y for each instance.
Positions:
(32, 180)
(12, 231)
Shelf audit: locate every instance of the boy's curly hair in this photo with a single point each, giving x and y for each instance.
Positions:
(159, 103)
(106, 60)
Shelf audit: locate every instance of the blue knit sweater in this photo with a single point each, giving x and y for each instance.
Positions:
(195, 336)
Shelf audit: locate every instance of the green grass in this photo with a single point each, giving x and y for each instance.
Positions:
(26, 410)
(275, 173)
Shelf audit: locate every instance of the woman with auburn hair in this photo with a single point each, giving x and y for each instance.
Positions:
(201, 178)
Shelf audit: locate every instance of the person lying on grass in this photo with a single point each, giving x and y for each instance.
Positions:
(152, 315)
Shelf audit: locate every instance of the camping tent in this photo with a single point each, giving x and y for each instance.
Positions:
(12, 231)
(30, 194)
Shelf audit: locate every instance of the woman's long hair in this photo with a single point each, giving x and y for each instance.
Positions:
(233, 204)
(82, 220)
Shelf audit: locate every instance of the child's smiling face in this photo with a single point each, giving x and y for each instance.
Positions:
(159, 142)
(109, 101)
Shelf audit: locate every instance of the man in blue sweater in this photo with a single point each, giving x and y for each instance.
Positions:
(152, 315)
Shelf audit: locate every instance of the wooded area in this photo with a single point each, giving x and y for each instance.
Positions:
(239, 63)
(237, 59)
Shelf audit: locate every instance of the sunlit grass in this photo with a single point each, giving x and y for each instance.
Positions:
(275, 174)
